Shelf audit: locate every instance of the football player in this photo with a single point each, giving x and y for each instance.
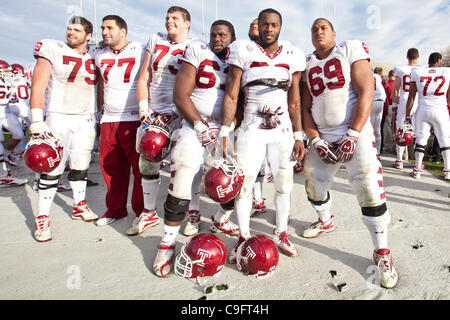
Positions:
(253, 33)
(19, 105)
(337, 94)
(67, 71)
(119, 64)
(432, 86)
(377, 108)
(269, 73)
(161, 63)
(10, 123)
(198, 95)
(400, 95)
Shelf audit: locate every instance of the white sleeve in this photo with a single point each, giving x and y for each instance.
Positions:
(300, 60)
(151, 43)
(414, 76)
(356, 50)
(45, 49)
(191, 55)
(233, 56)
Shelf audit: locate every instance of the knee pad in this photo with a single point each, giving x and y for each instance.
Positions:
(228, 205)
(285, 181)
(175, 209)
(77, 175)
(51, 182)
(420, 148)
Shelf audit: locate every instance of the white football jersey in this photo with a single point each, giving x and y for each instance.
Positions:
(5, 92)
(210, 79)
(72, 85)
(29, 73)
(256, 64)
(20, 94)
(120, 71)
(165, 63)
(404, 74)
(329, 82)
(432, 85)
(380, 93)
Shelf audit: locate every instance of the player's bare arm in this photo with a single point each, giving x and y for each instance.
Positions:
(411, 97)
(396, 91)
(294, 113)
(362, 81)
(308, 124)
(182, 91)
(41, 76)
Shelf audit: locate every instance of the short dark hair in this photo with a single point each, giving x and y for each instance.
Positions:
(270, 10)
(121, 23)
(412, 53)
(225, 23)
(328, 21)
(184, 13)
(87, 25)
(391, 73)
(434, 58)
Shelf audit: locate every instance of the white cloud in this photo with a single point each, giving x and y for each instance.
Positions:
(401, 24)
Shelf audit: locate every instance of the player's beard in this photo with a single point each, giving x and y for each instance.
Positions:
(253, 37)
(265, 44)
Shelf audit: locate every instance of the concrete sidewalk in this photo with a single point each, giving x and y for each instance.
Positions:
(84, 261)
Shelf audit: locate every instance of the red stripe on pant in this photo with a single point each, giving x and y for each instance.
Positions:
(118, 158)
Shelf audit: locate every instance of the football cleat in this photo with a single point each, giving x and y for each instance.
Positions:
(193, 223)
(398, 164)
(416, 173)
(319, 227)
(145, 220)
(283, 243)
(103, 221)
(10, 181)
(233, 254)
(12, 159)
(446, 174)
(227, 227)
(42, 232)
(82, 212)
(388, 275)
(258, 207)
(164, 259)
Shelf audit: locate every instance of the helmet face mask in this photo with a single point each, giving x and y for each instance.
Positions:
(223, 180)
(6, 72)
(202, 256)
(156, 143)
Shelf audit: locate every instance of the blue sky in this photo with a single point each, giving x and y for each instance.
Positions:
(388, 28)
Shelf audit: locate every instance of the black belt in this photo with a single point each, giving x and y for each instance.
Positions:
(270, 82)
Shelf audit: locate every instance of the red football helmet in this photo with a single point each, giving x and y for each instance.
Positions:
(43, 155)
(224, 180)
(257, 256)
(17, 69)
(156, 143)
(202, 256)
(404, 135)
(5, 69)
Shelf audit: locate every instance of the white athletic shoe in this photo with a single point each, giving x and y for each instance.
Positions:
(397, 164)
(388, 275)
(416, 173)
(446, 174)
(319, 227)
(103, 221)
(258, 207)
(283, 243)
(193, 223)
(42, 232)
(10, 181)
(164, 259)
(226, 227)
(145, 220)
(82, 212)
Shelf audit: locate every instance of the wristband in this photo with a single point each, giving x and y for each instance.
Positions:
(199, 126)
(298, 135)
(352, 133)
(224, 131)
(143, 105)
(37, 114)
(315, 139)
